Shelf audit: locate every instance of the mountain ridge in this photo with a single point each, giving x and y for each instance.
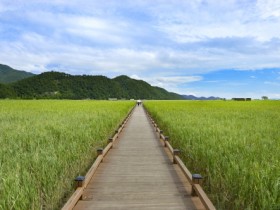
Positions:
(192, 97)
(57, 85)
(9, 75)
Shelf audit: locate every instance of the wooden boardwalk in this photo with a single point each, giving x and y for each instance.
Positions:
(138, 173)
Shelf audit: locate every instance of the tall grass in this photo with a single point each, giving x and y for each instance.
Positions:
(45, 144)
(234, 145)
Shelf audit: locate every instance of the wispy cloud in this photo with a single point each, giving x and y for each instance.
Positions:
(272, 83)
(268, 8)
(180, 80)
(172, 44)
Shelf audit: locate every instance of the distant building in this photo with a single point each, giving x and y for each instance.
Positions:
(241, 99)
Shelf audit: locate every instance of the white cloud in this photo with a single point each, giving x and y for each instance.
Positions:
(272, 83)
(134, 76)
(203, 21)
(156, 40)
(178, 79)
(268, 8)
(92, 28)
(274, 95)
(119, 34)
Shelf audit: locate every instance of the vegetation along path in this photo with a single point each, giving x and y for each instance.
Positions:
(138, 173)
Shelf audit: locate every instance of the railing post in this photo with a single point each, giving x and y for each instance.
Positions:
(79, 183)
(110, 140)
(196, 179)
(166, 138)
(160, 132)
(175, 152)
(99, 151)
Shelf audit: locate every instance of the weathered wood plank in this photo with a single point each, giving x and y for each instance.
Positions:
(138, 174)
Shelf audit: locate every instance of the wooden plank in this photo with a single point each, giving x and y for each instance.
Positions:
(133, 206)
(138, 174)
(92, 170)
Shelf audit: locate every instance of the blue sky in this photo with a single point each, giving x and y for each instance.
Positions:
(222, 48)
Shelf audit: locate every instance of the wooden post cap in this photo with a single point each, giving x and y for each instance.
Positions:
(99, 151)
(161, 131)
(79, 181)
(197, 178)
(79, 178)
(116, 131)
(176, 152)
(110, 140)
(166, 138)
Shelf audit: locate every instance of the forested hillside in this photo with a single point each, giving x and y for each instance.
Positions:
(56, 85)
(8, 74)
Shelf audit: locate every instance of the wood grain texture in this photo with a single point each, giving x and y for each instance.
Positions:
(137, 173)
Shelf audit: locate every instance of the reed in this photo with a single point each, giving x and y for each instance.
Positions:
(234, 145)
(45, 144)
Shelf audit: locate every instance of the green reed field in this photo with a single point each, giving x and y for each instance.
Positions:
(234, 145)
(45, 144)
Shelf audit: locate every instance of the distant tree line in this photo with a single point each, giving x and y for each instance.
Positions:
(242, 99)
(56, 85)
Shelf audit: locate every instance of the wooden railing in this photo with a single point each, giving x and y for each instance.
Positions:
(82, 181)
(194, 179)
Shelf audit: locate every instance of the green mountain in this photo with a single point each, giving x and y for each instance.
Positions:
(141, 89)
(8, 74)
(64, 86)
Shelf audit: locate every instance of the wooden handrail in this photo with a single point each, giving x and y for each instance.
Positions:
(170, 148)
(203, 197)
(73, 199)
(184, 169)
(157, 129)
(77, 195)
(107, 148)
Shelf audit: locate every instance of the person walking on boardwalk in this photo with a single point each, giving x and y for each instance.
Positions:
(139, 102)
